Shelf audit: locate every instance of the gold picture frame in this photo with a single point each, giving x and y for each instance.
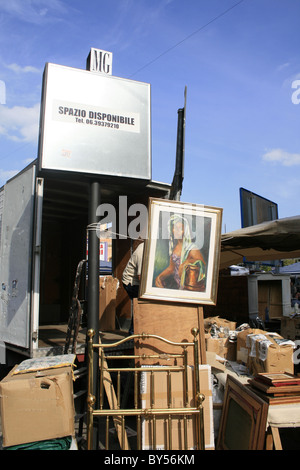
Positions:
(181, 253)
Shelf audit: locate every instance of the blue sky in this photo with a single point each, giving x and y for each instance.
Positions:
(238, 59)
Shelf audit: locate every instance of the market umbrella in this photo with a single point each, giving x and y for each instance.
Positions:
(278, 239)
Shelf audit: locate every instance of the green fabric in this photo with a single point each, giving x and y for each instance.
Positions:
(63, 443)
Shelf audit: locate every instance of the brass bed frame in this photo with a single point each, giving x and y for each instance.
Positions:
(192, 409)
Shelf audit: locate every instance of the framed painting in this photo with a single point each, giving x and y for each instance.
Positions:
(181, 253)
(243, 419)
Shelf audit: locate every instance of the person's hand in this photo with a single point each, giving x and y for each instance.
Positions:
(159, 282)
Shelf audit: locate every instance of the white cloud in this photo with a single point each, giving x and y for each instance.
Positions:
(282, 157)
(27, 69)
(19, 123)
(33, 11)
(283, 66)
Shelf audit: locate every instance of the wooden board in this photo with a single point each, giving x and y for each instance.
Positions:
(172, 321)
(108, 287)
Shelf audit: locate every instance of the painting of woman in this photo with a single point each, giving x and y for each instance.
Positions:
(182, 252)
(186, 269)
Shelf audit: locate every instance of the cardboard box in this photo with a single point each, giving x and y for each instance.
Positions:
(220, 322)
(263, 351)
(222, 347)
(269, 354)
(36, 406)
(177, 396)
(242, 349)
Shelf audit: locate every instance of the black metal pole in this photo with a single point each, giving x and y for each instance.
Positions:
(93, 261)
(178, 174)
(93, 279)
(180, 151)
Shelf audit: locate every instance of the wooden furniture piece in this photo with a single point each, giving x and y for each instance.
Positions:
(282, 412)
(174, 321)
(243, 418)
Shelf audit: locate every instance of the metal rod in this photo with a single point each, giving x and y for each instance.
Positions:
(185, 432)
(179, 168)
(169, 432)
(147, 412)
(154, 432)
(144, 356)
(93, 265)
(139, 432)
(201, 398)
(119, 389)
(185, 379)
(123, 431)
(169, 389)
(107, 433)
(169, 398)
(142, 369)
(93, 284)
(198, 395)
(142, 336)
(151, 389)
(138, 419)
(152, 402)
(101, 379)
(90, 395)
(135, 389)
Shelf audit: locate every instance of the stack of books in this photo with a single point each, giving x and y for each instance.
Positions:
(277, 387)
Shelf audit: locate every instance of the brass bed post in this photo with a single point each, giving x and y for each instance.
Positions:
(199, 397)
(185, 393)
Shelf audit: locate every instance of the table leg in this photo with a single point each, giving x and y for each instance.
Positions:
(276, 438)
(269, 439)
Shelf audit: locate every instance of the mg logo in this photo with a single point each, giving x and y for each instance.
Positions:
(99, 61)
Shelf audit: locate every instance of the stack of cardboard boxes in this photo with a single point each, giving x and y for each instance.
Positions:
(263, 351)
(218, 337)
(259, 350)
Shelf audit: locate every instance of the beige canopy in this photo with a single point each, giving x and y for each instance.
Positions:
(278, 239)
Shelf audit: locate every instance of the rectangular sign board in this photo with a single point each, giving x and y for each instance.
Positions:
(95, 124)
(256, 209)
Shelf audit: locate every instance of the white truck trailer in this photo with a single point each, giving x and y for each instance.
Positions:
(43, 234)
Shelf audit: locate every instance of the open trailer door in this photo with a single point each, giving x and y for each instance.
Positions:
(17, 252)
